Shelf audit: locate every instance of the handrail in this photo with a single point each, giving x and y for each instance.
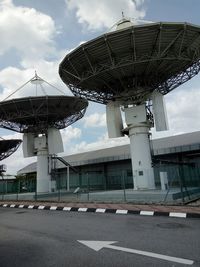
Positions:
(65, 163)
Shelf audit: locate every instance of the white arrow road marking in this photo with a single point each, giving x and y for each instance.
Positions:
(97, 245)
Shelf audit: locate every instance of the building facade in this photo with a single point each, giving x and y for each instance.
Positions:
(110, 168)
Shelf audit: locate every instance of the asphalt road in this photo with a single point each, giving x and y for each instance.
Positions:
(42, 238)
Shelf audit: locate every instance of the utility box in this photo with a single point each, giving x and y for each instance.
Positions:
(40, 142)
(135, 114)
(164, 181)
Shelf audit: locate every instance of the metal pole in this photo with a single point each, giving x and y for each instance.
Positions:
(68, 187)
(88, 187)
(17, 190)
(123, 184)
(3, 187)
(36, 189)
(181, 184)
(59, 193)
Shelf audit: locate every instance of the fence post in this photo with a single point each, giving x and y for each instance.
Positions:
(123, 184)
(36, 190)
(17, 190)
(88, 187)
(59, 193)
(68, 186)
(3, 189)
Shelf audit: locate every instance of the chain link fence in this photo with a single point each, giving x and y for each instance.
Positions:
(174, 184)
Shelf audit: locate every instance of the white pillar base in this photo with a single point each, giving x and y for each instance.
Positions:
(143, 175)
(43, 177)
(143, 179)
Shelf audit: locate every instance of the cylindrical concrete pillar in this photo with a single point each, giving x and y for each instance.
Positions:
(43, 177)
(143, 175)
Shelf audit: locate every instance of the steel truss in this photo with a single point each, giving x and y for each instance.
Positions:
(41, 126)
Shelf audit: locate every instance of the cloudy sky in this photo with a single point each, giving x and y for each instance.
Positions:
(37, 34)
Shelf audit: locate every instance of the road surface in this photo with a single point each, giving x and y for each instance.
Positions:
(42, 238)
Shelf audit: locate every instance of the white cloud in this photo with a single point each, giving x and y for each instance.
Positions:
(183, 110)
(18, 78)
(28, 31)
(95, 14)
(102, 142)
(31, 34)
(95, 120)
(70, 133)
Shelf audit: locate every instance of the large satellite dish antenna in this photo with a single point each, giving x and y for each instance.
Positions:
(134, 67)
(39, 118)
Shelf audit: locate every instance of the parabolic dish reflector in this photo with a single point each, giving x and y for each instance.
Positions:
(131, 63)
(37, 114)
(8, 147)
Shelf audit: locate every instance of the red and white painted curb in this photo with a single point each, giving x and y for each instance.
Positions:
(104, 210)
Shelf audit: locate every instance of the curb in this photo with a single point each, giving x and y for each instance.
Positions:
(101, 210)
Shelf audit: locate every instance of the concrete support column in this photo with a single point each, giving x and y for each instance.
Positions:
(143, 175)
(43, 177)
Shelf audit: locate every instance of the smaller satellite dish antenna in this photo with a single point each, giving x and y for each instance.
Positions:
(39, 118)
(8, 147)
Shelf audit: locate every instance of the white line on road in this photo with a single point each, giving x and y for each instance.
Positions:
(97, 245)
